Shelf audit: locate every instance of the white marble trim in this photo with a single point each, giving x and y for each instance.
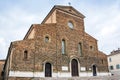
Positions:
(59, 74)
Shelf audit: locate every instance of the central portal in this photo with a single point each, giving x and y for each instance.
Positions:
(74, 67)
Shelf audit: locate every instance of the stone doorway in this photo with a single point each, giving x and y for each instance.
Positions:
(48, 70)
(94, 70)
(74, 68)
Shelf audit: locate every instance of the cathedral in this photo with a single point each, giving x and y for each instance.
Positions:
(58, 47)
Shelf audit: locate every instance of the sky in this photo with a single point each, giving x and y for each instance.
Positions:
(102, 20)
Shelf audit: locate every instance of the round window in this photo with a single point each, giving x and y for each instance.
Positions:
(70, 24)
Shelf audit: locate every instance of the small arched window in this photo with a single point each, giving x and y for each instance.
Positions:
(25, 54)
(63, 46)
(46, 39)
(102, 61)
(91, 48)
(80, 49)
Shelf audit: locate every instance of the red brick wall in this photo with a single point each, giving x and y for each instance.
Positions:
(41, 52)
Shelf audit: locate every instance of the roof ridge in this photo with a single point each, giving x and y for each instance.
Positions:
(64, 8)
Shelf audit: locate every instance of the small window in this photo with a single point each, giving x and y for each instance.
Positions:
(63, 47)
(80, 49)
(117, 66)
(25, 54)
(70, 24)
(111, 67)
(102, 61)
(91, 48)
(46, 39)
(110, 60)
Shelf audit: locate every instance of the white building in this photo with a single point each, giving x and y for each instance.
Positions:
(114, 62)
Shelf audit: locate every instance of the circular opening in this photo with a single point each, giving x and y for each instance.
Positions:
(70, 24)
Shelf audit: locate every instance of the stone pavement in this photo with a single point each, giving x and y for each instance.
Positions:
(83, 78)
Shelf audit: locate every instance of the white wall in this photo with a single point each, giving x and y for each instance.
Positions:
(115, 59)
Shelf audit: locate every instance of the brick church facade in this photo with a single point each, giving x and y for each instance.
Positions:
(58, 47)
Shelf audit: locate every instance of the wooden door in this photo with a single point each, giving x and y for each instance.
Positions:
(74, 68)
(94, 71)
(48, 70)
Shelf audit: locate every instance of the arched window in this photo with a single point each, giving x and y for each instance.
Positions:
(80, 49)
(63, 47)
(25, 54)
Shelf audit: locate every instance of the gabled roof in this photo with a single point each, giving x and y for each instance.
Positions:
(29, 31)
(70, 9)
(67, 9)
(87, 35)
(114, 52)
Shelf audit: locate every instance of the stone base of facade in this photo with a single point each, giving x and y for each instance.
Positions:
(19, 78)
(59, 74)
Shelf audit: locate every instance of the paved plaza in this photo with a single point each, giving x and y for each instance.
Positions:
(82, 78)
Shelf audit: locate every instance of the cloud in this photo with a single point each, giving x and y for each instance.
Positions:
(14, 24)
(105, 26)
(2, 48)
(106, 31)
(2, 41)
(102, 20)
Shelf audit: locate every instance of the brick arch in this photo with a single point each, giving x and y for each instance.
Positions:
(48, 61)
(74, 57)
